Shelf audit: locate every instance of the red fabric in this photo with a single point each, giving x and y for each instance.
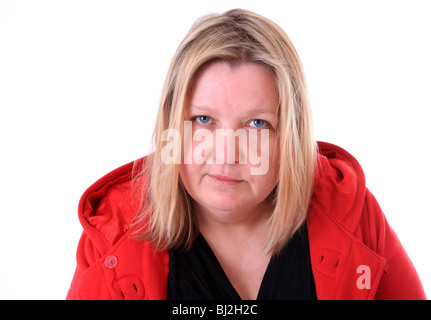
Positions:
(354, 252)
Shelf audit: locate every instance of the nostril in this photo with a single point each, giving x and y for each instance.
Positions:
(136, 288)
(321, 258)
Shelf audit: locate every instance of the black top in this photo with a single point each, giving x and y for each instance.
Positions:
(197, 274)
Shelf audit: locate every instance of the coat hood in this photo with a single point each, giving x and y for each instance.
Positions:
(339, 185)
(108, 207)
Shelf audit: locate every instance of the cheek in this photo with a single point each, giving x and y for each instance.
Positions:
(266, 171)
(264, 156)
(197, 146)
(186, 174)
(274, 153)
(190, 175)
(272, 177)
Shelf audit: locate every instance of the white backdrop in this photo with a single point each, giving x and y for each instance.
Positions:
(79, 88)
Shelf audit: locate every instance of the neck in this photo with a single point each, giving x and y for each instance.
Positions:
(239, 245)
(235, 228)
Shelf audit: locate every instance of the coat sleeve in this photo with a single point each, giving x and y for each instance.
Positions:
(400, 279)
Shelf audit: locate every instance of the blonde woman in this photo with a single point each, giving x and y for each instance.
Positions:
(238, 201)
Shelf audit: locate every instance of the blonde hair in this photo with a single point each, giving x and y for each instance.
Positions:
(236, 36)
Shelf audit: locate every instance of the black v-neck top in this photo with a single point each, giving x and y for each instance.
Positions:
(197, 274)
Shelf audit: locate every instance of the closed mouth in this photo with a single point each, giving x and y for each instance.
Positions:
(224, 180)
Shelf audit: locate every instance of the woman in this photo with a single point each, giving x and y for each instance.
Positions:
(238, 201)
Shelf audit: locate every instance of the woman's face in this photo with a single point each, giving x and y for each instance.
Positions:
(229, 182)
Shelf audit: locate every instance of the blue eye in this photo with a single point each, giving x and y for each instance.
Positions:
(258, 123)
(203, 119)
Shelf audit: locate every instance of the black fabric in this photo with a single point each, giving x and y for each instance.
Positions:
(197, 274)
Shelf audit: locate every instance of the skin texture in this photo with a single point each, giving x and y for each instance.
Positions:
(230, 202)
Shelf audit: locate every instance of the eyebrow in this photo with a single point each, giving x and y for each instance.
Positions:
(258, 110)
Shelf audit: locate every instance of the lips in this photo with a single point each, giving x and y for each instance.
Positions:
(224, 180)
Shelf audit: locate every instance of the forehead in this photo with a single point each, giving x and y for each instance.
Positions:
(247, 85)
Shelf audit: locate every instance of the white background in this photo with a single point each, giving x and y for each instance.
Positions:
(80, 83)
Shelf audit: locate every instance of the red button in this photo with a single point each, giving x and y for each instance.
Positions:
(111, 261)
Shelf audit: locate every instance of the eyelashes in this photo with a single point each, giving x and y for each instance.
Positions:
(202, 119)
(254, 123)
(258, 123)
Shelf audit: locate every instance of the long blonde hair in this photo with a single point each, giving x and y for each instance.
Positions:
(166, 217)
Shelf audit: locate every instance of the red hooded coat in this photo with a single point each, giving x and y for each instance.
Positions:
(354, 252)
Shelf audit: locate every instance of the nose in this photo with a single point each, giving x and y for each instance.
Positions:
(230, 146)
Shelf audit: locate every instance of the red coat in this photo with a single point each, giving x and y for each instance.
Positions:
(354, 252)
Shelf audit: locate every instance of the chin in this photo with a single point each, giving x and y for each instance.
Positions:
(225, 212)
